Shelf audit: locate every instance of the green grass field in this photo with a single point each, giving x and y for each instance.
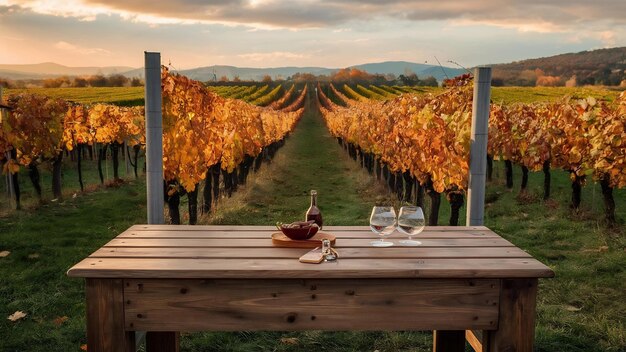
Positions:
(582, 309)
(123, 96)
(508, 95)
(133, 96)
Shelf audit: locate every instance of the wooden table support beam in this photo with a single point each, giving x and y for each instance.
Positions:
(516, 328)
(105, 317)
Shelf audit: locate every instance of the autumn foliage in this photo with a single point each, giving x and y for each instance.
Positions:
(429, 135)
(200, 128)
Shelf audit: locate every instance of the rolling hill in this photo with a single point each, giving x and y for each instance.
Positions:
(602, 66)
(50, 69)
(208, 73)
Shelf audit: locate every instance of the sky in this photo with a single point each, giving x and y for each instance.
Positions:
(327, 33)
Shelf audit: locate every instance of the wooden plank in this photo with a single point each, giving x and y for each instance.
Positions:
(386, 304)
(290, 268)
(162, 341)
(259, 243)
(294, 253)
(448, 341)
(516, 330)
(141, 227)
(474, 341)
(266, 234)
(105, 317)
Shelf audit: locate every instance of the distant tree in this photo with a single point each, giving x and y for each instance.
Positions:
(136, 82)
(5, 83)
(497, 82)
(267, 79)
(224, 79)
(80, 82)
(409, 79)
(56, 82)
(549, 81)
(304, 77)
(236, 78)
(429, 81)
(352, 76)
(583, 81)
(97, 81)
(571, 82)
(117, 80)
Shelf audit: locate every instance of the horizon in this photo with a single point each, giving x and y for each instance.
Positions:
(310, 33)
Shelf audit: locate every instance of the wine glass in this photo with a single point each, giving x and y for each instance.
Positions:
(411, 222)
(382, 222)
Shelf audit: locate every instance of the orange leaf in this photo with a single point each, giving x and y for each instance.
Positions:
(83, 347)
(60, 320)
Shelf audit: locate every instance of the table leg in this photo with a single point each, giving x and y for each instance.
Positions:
(516, 328)
(162, 341)
(105, 317)
(449, 341)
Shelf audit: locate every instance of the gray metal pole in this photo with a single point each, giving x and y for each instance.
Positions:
(154, 139)
(478, 149)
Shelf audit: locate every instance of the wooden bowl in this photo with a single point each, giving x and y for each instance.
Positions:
(299, 234)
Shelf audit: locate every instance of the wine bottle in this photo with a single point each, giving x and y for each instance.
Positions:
(314, 212)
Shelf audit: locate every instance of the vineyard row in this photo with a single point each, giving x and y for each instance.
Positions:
(203, 133)
(426, 138)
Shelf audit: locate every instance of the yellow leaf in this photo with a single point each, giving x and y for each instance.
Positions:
(4, 254)
(17, 316)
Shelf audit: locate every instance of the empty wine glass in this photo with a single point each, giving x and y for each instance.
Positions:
(382, 222)
(411, 222)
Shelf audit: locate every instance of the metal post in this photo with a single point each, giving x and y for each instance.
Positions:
(478, 149)
(154, 139)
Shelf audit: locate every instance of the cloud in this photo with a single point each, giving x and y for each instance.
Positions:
(272, 56)
(530, 15)
(608, 38)
(80, 50)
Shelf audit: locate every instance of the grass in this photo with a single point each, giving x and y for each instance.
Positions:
(509, 95)
(123, 96)
(45, 243)
(581, 309)
(134, 96)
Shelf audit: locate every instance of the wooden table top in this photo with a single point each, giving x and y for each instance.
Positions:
(246, 252)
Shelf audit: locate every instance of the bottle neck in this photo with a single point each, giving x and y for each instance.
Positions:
(314, 200)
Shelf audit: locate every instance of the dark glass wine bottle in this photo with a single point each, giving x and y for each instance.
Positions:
(314, 212)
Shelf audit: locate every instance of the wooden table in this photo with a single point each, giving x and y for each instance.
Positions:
(164, 279)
